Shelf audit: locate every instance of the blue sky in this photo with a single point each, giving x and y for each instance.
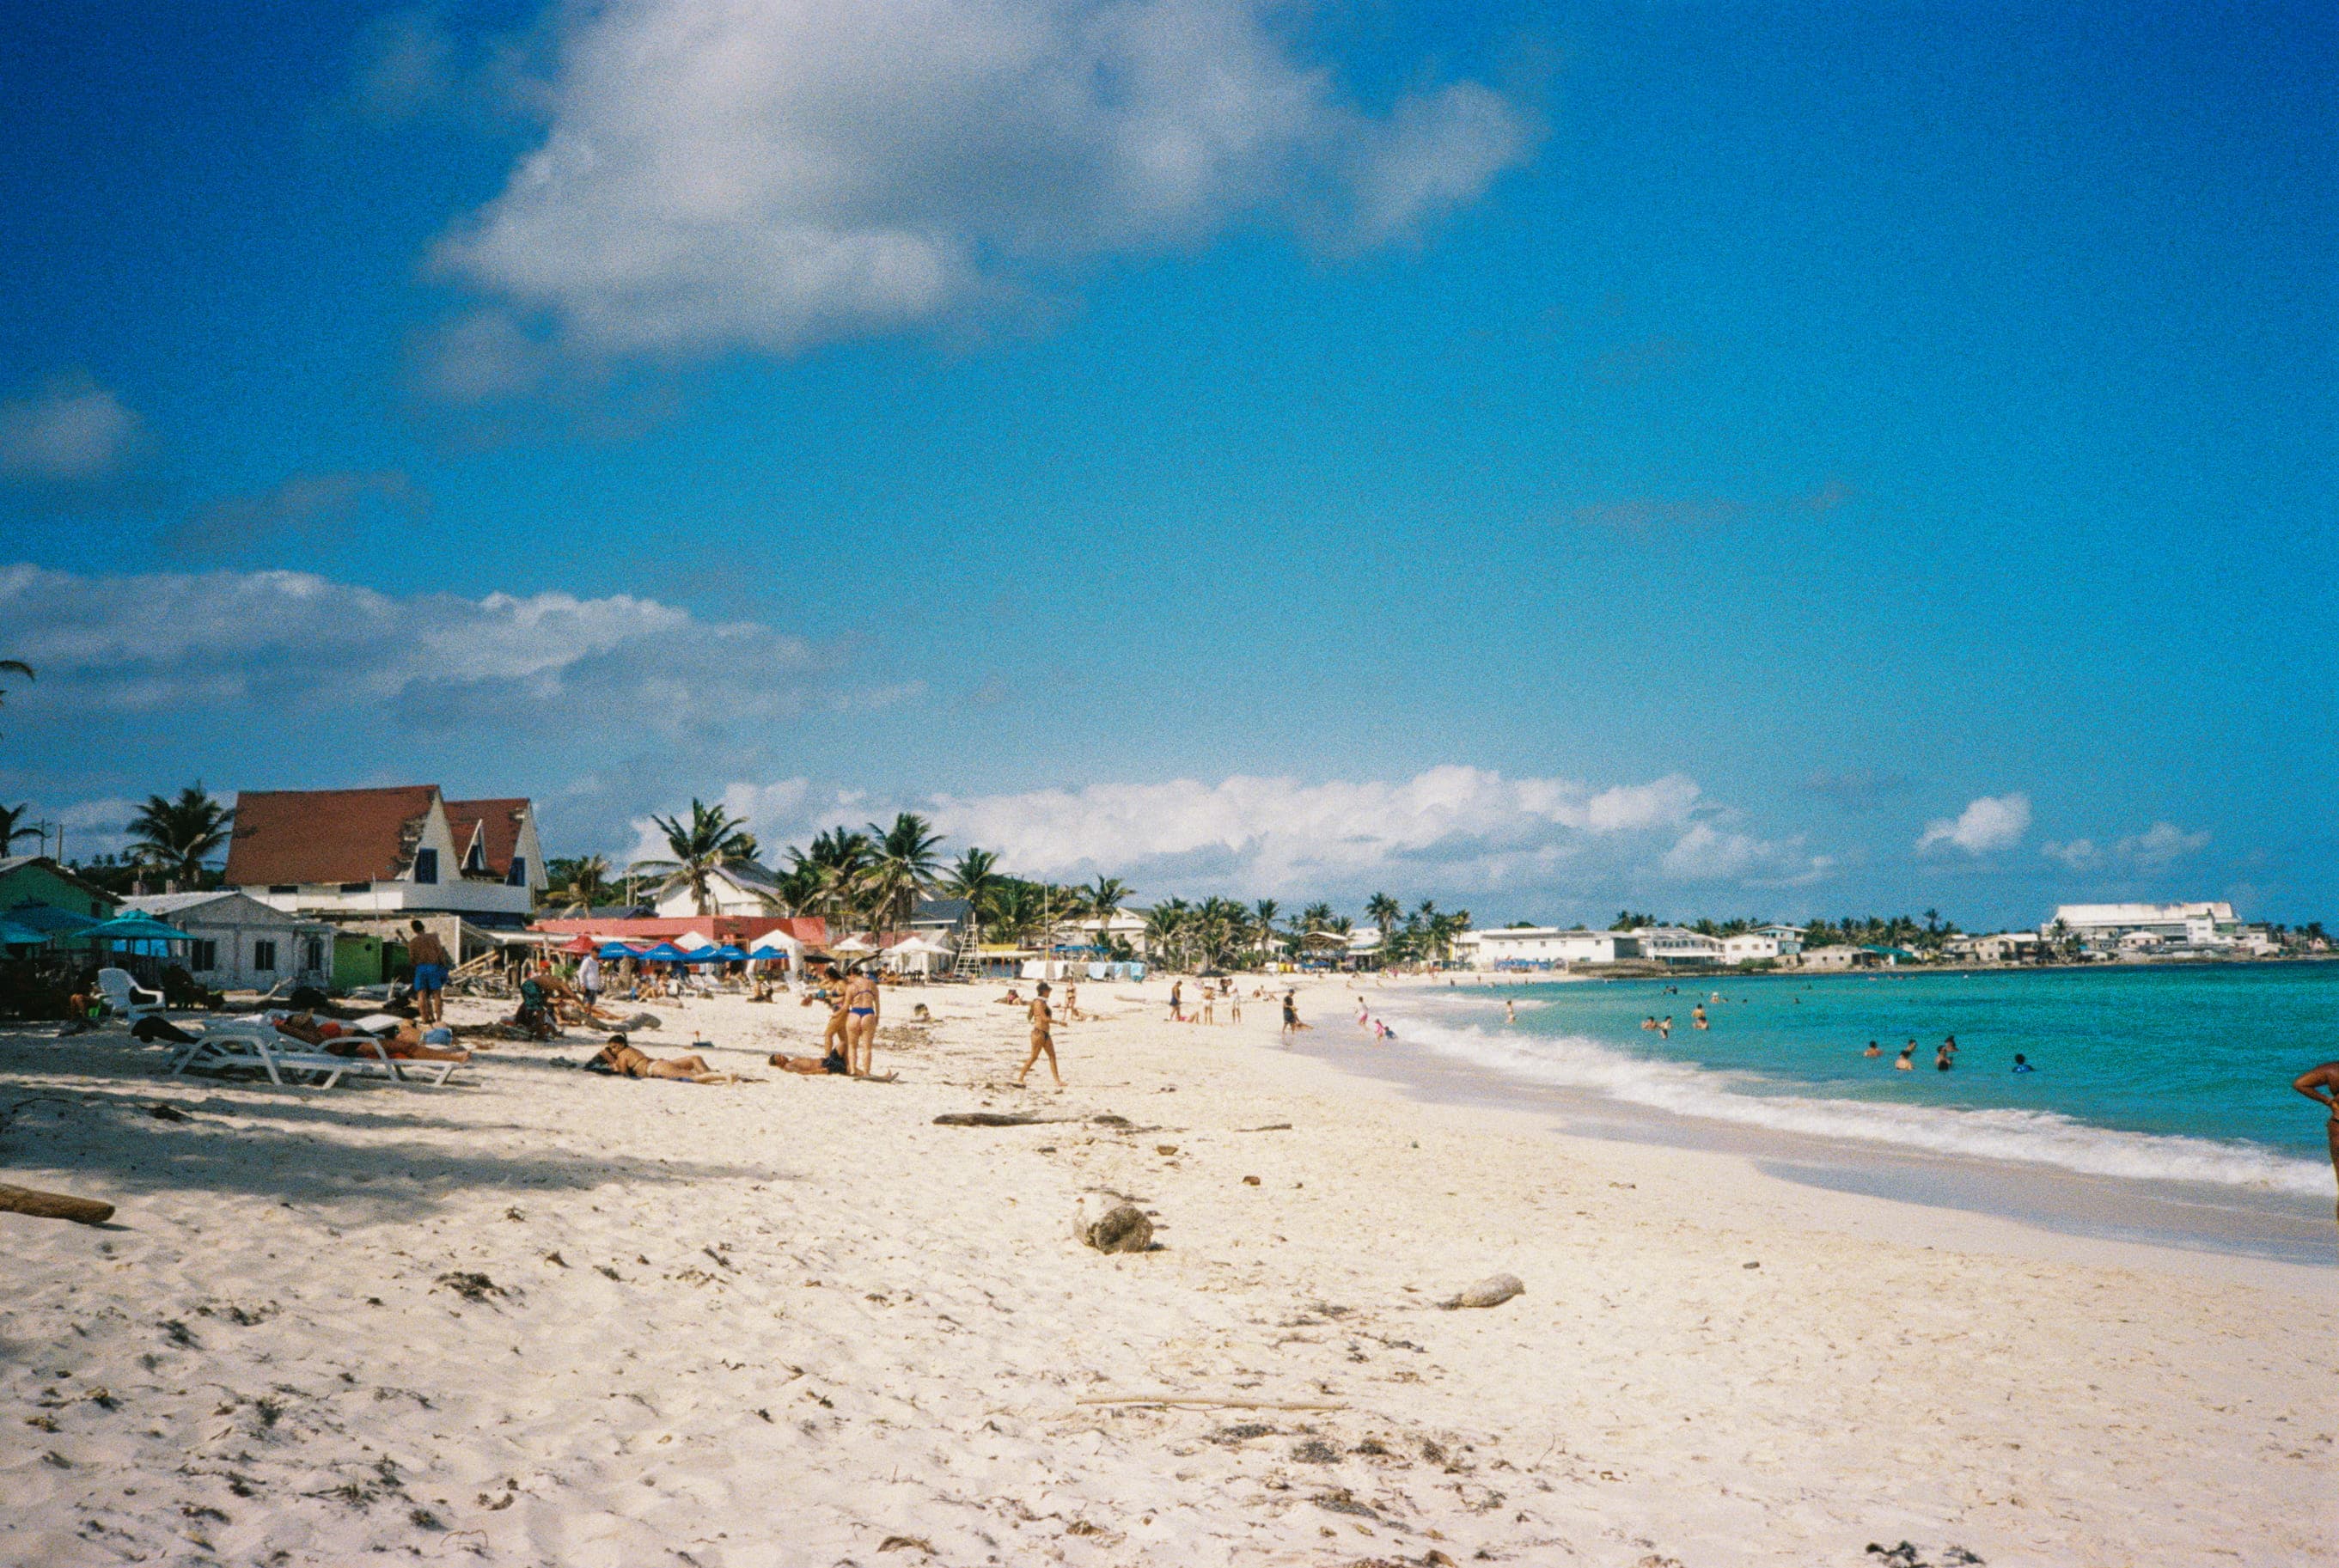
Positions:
(1717, 458)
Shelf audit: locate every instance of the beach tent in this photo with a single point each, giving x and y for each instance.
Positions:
(856, 944)
(691, 941)
(580, 947)
(920, 953)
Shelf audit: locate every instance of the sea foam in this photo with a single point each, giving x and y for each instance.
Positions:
(2037, 1136)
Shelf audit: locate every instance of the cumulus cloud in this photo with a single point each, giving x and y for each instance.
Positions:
(2162, 844)
(1710, 854)
(1988, 823)
(1467, 827)
(73, 430)
(770, 173)
(289, 643)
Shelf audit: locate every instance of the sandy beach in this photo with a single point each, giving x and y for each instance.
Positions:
(539, 1316)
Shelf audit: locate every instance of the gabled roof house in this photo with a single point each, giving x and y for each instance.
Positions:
(377, 852)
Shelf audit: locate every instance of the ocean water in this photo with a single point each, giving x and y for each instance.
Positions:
(2158, 1074)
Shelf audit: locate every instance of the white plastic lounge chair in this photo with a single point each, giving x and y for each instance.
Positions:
(254, 1043)
(126, 996)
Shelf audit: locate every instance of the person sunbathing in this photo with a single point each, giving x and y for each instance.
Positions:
(1011, 999)
(403, 1043)
(812, 1066)
(623, 1060)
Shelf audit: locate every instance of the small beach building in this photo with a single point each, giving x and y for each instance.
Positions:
(1543, 946)
(377, 855)
(238, 942)
(35, 879)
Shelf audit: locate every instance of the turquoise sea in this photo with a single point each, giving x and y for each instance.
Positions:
(2178, 1074)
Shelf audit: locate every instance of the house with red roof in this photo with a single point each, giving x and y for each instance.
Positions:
(378, 854)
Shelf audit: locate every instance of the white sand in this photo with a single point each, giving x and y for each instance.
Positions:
(793, 1320)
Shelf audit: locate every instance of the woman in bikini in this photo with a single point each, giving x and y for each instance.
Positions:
(624, 1060)
(1043, 1038)
(860, 1023)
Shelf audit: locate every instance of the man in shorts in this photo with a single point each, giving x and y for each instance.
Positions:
(429, 956)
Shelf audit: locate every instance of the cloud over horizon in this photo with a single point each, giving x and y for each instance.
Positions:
(71, 431)
(1988, 823)
(772, 175)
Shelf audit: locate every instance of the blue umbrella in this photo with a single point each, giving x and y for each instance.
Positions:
(616, 950)
(14, 935)
(727, 954)
(667, 953)
(135, 927)
(49, 918)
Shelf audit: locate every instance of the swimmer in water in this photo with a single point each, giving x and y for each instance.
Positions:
(1697, 1015)
(2022, 1063)
(1874, 1050)
(1906, 1060)
(1510, 1011)
(1941, 1062)
(1665, 1027)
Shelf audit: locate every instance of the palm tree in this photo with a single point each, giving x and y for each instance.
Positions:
(578, 885)
(902, 865)
(972, 877)
(1384, 912)
(1165, 930)
(1102, 899)
(1262, 929)
(13, 826)
(1017, 908)
(1316, 917)
(827, 876)
(175, 835)
(711, 841)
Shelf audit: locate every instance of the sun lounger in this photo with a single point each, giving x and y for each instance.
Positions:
(126, 996)
(250, 1042)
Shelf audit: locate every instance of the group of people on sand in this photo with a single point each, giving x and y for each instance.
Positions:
(1216, 989)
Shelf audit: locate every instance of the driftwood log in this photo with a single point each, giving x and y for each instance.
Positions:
(53, 1205)
(992, 1118)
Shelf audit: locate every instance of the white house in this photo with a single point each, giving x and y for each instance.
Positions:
(1124, 926)
(1999, 947)
(378, 854)
(743, 887)
(240, 942)
(2106, 925)
(1752, 947)
(1543, 947)
(1675, 944)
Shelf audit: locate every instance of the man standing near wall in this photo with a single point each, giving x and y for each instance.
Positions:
(430, 966)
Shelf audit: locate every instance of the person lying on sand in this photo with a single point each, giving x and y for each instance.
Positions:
(811, 1066)
(919, 1014)
(1010, 1000)
(623, 1060)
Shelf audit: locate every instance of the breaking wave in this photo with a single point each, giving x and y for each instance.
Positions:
(2037, 1136)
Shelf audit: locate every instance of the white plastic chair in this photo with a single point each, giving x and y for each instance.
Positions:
(126, 996)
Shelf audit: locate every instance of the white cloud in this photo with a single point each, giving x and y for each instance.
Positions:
(288, 643)
(2162, 844)
(72, 431)
(769, 174)
(2079, 853)
(1988, 823)
(1468, 828)
(1708, 853)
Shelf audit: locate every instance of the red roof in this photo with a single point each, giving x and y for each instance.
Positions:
(496, 822)
(329, 835)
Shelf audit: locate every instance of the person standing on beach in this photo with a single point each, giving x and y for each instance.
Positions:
(861, 1022)
(1291, 1024)
(588, 982)
(1177, 1001)
(1043, 1038)
(2321, 1085)
(429, 956)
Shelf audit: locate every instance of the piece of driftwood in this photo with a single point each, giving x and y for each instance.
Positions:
(992, 1118)
(1271, 1127)
(53, 1205)
(1209, 1401)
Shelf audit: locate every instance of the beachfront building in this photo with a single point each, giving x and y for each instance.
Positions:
(237, 942)
(1840, 956)
(743, 887)
(379, 855)
(1764, 944)
(1677, 945)
(39, 881)
(1541, 947)
(1999, 947)
(2106, 927)
(1123, 927)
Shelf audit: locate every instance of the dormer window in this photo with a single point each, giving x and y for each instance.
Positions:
(475, 861)
(518, 875)
(425, 865)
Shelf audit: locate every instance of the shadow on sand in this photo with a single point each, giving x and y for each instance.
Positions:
(368, 1151)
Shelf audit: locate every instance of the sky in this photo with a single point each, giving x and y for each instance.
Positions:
(1710, 459)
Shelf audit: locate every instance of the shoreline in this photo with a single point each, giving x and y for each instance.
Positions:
(541, 1317)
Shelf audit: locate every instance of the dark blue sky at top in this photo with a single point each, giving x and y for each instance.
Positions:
(1938, 398)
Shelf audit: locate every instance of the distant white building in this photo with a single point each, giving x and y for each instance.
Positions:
(1759, 947)
(2109, 925)
(1677, 944)
(1541, 947)
(240, 942)
(1999, 947)
(742, 887)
